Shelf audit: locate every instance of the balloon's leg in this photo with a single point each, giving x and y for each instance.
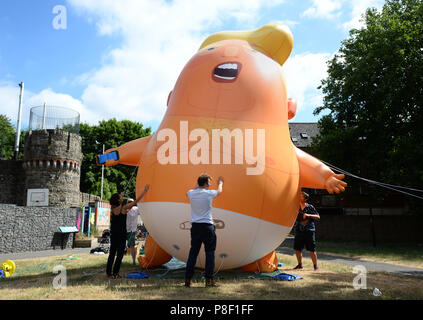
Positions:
(154, 255)
(268, 263)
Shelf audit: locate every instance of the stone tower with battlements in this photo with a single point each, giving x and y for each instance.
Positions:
(52, 160)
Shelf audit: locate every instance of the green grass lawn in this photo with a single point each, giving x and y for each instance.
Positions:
(402, 254)
(86, 280)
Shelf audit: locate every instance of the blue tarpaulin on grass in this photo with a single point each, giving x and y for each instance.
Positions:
(286, 276)
(279, 275)
(137, 275)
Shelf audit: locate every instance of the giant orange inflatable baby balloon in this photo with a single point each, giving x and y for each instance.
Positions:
(227, 116)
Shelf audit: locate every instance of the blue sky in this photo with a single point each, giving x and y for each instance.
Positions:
(121, 58)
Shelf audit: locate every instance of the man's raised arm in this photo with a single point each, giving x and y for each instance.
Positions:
(219, 185)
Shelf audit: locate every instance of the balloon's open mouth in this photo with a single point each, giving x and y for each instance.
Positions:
(226, 72)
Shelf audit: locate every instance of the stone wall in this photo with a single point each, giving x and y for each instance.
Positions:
(52, 160)
(53, 144)
(85, 199)
(63, 185)
(11, 182)
(25, 229)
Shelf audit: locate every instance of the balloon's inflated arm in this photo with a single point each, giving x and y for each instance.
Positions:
(128, 153)
(315, 174)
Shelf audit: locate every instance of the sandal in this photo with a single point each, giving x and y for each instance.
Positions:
(117, 276)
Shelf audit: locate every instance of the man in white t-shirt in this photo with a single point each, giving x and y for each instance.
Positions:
(203, 229)
(131, 229)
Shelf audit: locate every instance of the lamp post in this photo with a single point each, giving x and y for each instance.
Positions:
(102, 175)
(18, 126)
(44, 116)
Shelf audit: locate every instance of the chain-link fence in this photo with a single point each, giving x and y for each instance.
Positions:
(54, 117)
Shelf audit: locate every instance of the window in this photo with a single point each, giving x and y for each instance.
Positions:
(304, 135)
(294, 139)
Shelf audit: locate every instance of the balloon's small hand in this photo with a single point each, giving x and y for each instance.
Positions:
(335, 184)
(147, 186)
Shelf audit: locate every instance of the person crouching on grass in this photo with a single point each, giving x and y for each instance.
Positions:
(305, 231)
(118, 231)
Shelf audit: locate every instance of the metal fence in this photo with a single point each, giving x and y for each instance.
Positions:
(54, 117)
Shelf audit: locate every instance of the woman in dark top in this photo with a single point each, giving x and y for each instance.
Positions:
(118, 231)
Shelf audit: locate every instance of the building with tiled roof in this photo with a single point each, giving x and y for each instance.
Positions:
(302, 133)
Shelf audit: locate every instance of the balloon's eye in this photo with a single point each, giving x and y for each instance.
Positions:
(212, 48)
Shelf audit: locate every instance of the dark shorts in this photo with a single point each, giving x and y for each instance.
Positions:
(130, 238)
(305, 239)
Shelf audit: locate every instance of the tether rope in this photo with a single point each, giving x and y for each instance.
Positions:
(380, 184)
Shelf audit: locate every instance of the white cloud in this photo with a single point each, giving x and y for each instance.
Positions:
(52, 98)
(158, 39)
(303, 73)
(9, 103)
(325, 9)
(9, 100)
(358, 9)
(331, 9)
(290, 23)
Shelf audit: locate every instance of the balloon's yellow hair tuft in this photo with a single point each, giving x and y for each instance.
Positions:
(275, 40)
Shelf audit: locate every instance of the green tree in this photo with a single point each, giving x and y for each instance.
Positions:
(7, 138)
(374, 95)
(111, 134)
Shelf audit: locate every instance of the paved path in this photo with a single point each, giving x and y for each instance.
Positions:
(369, 265)
(42, 254)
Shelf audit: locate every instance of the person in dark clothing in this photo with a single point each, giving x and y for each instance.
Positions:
(305, 231)
(118, 231)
